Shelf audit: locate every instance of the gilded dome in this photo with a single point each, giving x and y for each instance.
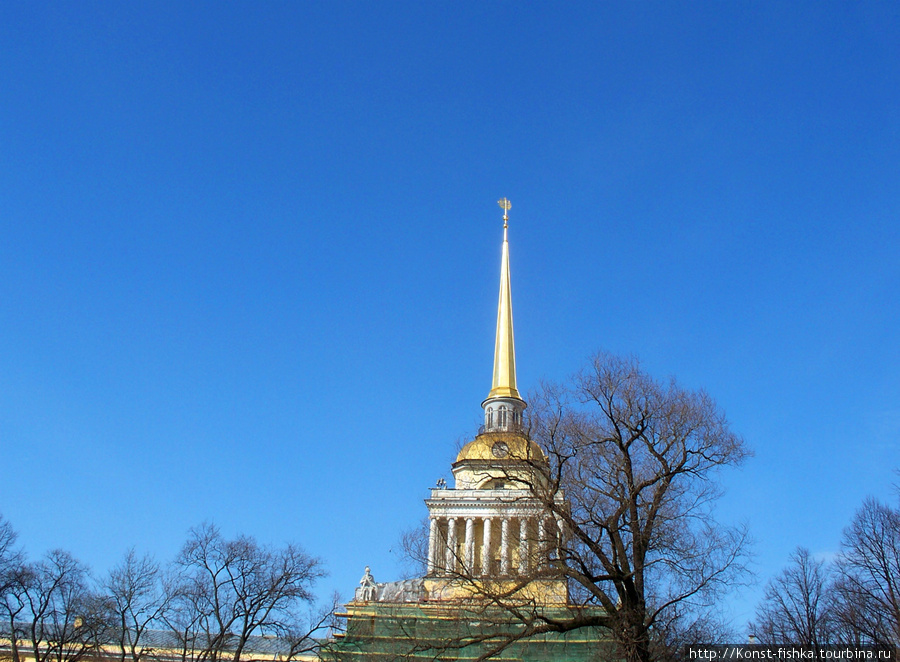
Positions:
(495, 446)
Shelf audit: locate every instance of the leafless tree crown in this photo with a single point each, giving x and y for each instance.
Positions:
(223, 598)
(797, 607)
(853, 600)
(637, 462)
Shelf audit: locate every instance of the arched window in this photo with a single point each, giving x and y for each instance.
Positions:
(502, 416)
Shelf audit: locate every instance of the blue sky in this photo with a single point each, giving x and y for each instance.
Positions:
(249, 253)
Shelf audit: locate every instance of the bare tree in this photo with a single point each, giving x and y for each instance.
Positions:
(299, 638)
(136, 599)
(857, 619)
(230, 590)
(797, 606)
(868, 587)
(10, 556)
(66, 621)
(412, 550)
(637, 461)
(186, 617)
(12, 604)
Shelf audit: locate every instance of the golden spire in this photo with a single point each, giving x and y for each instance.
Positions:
(504, 384)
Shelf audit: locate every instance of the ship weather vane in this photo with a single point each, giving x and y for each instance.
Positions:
(505, 205)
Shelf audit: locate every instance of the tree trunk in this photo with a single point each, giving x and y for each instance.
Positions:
(239, 649)
(14, 643)
(634, 638)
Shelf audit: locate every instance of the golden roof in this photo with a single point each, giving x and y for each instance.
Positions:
(518, 447)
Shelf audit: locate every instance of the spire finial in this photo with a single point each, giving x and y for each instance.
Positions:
(505, 205)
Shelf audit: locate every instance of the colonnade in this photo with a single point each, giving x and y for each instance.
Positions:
(492, 545)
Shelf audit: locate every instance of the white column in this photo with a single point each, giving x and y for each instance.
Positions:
(523, 545)
(470, 545)
(504, 546)
(541, 556)
(450, 564)
(432, 544)
(486, 548)
(560, 537)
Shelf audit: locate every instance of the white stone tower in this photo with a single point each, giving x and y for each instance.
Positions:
(490, 524)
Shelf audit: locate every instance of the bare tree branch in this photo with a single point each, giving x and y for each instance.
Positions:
(230, 590)
(797, 607)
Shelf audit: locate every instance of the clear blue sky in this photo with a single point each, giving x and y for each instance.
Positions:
(249, 253)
